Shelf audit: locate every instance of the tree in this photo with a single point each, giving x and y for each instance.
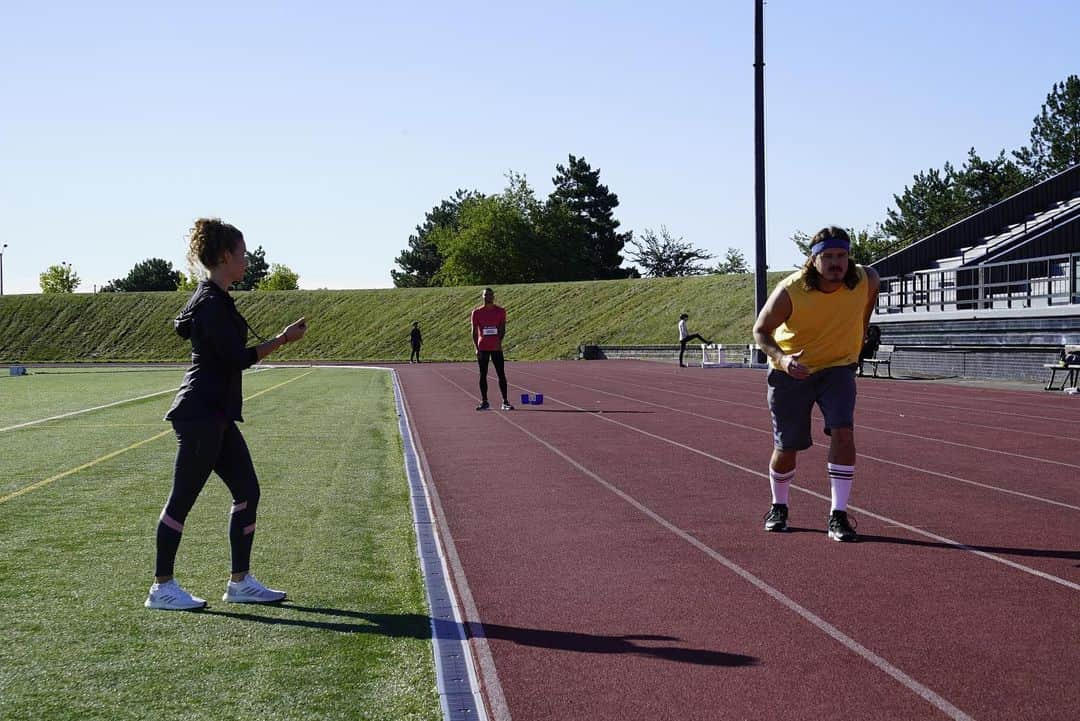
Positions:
(982, 183)
(421, 261)
(578, 187)
(734, 262)
(867, 245)
(664, 256)
(280, 277)
(255, 271)
(493, 244)
(1055, 137)
(187, 282)
(60, 278)
(937, 199)
(150, 274)
(925, 207)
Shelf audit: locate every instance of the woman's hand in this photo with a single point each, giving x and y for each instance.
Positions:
(295, 331)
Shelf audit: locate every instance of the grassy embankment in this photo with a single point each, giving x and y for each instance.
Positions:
(546, 320)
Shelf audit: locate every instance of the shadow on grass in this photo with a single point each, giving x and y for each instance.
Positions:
(419, 626)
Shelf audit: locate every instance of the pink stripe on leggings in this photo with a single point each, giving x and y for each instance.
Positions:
(249, 529)
(237, 507)
(172, 522)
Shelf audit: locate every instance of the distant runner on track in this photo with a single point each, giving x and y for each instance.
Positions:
(812, 328)
(204, 416)
(488, 328)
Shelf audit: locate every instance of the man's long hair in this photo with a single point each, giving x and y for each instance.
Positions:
(811, 279)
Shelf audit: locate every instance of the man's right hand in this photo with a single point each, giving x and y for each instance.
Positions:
(792, 366)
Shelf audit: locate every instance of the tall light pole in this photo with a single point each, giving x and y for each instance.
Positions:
(761, 267)
(2, 268)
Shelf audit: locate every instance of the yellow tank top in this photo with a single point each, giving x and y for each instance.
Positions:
(827, 327)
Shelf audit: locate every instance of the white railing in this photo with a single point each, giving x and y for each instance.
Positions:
(1033, 283)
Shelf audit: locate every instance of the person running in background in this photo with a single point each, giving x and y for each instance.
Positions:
(488, 330)
(685, 337)
(415, 340)
(812, 328)
(204, 416)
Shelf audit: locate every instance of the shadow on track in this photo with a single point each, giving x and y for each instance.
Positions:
(1069, 555)
(418, 626)
(1072, 555)
(581, 410)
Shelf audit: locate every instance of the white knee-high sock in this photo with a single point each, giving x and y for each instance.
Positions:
(780, 483)
(840, 478)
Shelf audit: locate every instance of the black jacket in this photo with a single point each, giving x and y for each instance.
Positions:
(212, 387)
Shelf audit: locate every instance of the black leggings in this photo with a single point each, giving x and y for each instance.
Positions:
(684, 341)
(496, 357)
(415, 353)
(205, 446)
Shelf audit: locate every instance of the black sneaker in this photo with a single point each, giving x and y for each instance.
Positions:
(483, 406)
(776, 518)
(840, 527)
(506, 406)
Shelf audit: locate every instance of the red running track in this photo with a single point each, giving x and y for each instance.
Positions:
(609, 551)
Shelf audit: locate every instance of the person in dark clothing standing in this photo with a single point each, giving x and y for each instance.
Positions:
(415, 340)
(204, 417)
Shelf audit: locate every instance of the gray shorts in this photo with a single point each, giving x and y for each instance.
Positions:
(791, 400)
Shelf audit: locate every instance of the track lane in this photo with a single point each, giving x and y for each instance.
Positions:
(695, 488)
(1050, 483)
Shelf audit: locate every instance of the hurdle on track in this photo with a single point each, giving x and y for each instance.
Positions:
(727, 355)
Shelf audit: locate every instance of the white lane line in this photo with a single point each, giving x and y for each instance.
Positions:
(758, 406)
(927, 471)
(821, 624)
(456, 678)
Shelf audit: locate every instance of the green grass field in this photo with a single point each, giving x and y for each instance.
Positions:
(79, 500)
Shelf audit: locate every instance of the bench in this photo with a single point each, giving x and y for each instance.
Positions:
(1071, 370)
(882, 357)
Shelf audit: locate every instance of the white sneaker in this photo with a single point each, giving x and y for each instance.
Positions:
(169, 596)
(251, 591)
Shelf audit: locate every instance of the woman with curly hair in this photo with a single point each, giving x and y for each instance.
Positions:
(204, 417)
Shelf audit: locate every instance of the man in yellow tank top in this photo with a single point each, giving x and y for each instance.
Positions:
(812, 328)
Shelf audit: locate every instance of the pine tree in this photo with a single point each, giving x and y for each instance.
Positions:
(422, 260)
(1055, 137)
(578, 188)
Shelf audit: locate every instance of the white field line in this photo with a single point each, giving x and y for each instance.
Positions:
(97, 408)
(821, 624)
(913, 529)
(878, 459)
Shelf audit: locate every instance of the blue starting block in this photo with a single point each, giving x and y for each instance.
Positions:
(536, 400)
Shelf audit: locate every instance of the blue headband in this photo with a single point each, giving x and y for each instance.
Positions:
(821, 245)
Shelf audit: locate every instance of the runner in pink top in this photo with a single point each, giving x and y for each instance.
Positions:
(488, 329)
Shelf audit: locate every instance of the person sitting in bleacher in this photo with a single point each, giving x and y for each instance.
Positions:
(870, 345)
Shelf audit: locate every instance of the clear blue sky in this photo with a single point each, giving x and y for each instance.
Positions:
(325, 130)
